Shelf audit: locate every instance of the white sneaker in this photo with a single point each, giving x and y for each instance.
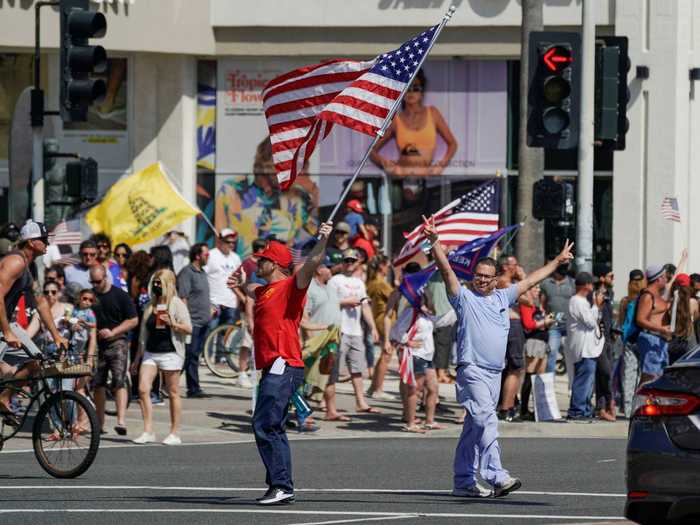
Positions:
(381, 395)
(146, 437)
(172, 439)
(475, 491)
(244, 380)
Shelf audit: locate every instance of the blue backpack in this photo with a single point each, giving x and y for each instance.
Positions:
(630, 329)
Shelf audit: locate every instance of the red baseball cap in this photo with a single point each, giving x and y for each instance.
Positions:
(355, 205)
(276, 252)
(683, 279)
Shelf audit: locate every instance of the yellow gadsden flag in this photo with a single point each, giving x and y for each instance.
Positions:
(140, 207)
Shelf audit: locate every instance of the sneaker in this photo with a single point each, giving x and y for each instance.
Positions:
(146, 437)
(475, 491)
(157, 401)
(505, 488)
(379, 394)
(579, 419)
(244, 380)
(172, 439)
(276, 496)
(308, 428)
(513, 416)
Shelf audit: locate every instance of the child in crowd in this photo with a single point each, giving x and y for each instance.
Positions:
(83, 344)
(413, 334)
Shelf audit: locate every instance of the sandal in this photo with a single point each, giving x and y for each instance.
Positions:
(339, 417)
(414, 429)
(10, 418)
(120, 430)
(368, 410)
(434, 426)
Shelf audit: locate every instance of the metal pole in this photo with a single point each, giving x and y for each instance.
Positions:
(584, 220)
(386, 214)
(391, 114)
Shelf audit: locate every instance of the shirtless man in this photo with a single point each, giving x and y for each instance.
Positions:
(16, 281)
(651, 310)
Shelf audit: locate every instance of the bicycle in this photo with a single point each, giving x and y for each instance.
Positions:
(222, 348)
(62, 448)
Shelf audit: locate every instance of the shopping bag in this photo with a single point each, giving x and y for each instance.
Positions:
(546, 408)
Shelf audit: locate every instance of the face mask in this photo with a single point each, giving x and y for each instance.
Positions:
(562, 269)
(157, 290)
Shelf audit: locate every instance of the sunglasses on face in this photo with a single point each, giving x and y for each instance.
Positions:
(349, 260)
(121, 254)
(232, 241)
(50, 292)
(96, 282)
(415, 88)
(87, 299)
(88, 254)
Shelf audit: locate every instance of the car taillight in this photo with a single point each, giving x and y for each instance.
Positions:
(653, 403)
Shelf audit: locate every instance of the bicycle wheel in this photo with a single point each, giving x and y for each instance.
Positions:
(221, 349)
(66, 435)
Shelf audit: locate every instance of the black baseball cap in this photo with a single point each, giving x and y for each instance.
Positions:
(636, 275)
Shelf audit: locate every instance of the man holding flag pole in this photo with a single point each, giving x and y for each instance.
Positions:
(482, 331)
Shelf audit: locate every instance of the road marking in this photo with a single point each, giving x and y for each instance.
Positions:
(317, 491)
(359, 520)
(310, 513)
(606, 460)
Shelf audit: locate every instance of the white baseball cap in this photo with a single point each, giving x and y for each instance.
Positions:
(227, 232)
(33, 230)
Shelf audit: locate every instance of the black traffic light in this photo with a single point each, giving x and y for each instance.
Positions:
(612, 64)
(79, 59)
(552, 200)
(554, 90)
(81, 179)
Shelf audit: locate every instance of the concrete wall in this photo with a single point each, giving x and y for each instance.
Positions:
(157, 26)
(664, 137)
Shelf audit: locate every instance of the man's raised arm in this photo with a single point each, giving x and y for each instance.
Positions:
(443, 264)
(548, 269)
(306, 272)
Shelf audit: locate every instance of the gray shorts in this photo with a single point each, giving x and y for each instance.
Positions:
(536, 348)
(352, 351)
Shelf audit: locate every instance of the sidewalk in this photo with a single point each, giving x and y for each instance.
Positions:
(225, 417)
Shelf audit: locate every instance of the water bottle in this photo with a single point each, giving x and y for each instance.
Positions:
(302, 407)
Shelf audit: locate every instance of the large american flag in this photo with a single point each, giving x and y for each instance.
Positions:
(301, 106)
(670, 210)
(473, 215)
(66, 233)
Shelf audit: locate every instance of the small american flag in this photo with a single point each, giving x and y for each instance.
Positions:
(669, 209)
(66, 233)
(301, 106)
(473, 215)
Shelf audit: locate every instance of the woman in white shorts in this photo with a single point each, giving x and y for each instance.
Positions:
(162, 337)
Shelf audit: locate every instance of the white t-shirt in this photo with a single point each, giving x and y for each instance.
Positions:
(423, 334)
(218, 269)
(345, 287)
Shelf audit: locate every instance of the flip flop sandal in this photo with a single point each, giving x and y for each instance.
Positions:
(337, 418)
(368, 410)
(414, 429)
(434, 426)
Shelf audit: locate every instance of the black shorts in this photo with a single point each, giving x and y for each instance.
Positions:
(443, 337)
(515, 348)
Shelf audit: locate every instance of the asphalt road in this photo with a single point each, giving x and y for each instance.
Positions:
(405, 479)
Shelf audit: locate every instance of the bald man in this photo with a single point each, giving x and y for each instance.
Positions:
(116, 317)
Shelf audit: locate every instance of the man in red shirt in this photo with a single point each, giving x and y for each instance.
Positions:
(277, 314)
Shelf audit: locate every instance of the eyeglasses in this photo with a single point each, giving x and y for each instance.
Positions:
(416, 88)
(121, 254)
(234, 241)
(483, 277)
(88, 254)
(349, 260)
(103, 246)
(50, 292)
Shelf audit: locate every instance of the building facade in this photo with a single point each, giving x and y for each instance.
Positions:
(184, 89)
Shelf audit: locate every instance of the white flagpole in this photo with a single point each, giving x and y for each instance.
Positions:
(391, 114)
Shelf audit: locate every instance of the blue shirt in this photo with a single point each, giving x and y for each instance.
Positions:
(354, 220)
(482, 326)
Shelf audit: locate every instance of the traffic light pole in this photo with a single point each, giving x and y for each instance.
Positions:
(584, 220)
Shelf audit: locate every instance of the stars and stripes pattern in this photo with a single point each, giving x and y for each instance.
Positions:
(473, 215)
(66, 233)
(670, 210)
(302, 106)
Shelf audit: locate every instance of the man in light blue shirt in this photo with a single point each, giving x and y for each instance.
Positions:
(482, 334)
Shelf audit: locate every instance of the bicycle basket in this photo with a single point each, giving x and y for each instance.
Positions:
(63, 369)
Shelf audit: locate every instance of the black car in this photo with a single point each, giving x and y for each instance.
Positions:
(663, 450)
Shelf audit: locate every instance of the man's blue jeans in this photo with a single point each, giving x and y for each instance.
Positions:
(582, 388)
(192, 353)
(555, 338)
(269, 419)
(225, 315)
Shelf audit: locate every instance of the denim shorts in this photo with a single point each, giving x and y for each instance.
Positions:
(420, 365)
(653, 353)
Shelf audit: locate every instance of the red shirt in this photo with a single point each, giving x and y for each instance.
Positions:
(277, 313)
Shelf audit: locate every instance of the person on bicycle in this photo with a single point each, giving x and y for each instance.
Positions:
(16, 281)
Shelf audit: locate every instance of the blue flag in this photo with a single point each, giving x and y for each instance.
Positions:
(462, 260)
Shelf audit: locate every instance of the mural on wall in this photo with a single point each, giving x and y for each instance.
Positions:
(248, 198)
(206, 146)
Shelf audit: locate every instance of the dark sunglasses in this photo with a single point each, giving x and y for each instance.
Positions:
(349, 260)
(121, 254)
(50, 292)
(88, 254)
(96, 282)
(87, 299)
(416, 88)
